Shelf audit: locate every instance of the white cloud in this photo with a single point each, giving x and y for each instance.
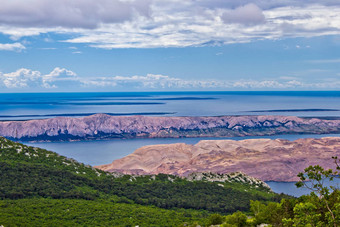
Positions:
(61, 79)
(203, 26)
(169, 23)
(157, 82)
(60, 73)
(12, 47)
(148, 81)
(249, 14)
(86, 14)
(265, 4)
(17, 33)
(26, 78)
(21, 78)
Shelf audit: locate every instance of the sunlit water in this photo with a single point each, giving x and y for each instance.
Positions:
(31, 106)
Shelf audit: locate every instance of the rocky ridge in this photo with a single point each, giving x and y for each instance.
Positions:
(102, 126)
(238, 177)
(265, 159)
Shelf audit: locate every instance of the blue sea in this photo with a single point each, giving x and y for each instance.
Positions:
(19, 106)
(16, 106)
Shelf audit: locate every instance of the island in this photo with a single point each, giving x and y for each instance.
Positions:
(103, 126)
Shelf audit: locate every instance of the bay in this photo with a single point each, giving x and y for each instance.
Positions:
(99, 152)
(289, 188)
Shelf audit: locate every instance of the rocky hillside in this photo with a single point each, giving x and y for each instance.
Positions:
(266, 159)
(236, 177)
(102, 126)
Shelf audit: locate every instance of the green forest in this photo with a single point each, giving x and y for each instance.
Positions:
(42, 188)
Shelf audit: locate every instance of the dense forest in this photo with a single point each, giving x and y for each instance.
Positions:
(33, 179)
(42, 188)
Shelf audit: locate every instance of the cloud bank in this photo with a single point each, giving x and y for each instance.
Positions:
(29, 79)
(12, 47)
(88, 14)
(169, 23)
(64, 79)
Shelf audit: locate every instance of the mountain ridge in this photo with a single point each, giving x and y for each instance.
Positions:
(103, 126)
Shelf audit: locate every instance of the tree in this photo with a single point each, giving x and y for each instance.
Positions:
(305, 214)
(215, 219)
(238, 219)
(314, 179)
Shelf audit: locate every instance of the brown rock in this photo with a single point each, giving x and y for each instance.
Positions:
(266, 159)
(102, 126)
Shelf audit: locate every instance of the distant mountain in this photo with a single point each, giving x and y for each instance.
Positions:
(266, 159)
(102, 126)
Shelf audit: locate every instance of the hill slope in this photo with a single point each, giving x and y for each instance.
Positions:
(27, 172)
(266, 159)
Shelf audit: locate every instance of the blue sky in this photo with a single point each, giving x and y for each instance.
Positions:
(126, 45)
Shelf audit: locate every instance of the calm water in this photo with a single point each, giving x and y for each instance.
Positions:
(46, 105)
(30, 106)
(290, 188)
(105, 151)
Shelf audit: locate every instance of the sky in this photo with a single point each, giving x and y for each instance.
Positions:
(169, 45)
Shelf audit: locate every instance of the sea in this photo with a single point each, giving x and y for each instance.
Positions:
(26, 106)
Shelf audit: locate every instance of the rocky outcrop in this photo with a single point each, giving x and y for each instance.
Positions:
(265, 159)
(237, 177)
(102, 126)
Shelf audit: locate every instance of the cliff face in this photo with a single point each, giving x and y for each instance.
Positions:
(102, 126)
(268, 160)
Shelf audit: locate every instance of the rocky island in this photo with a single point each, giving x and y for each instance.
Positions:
(265, 159)
(102, 126)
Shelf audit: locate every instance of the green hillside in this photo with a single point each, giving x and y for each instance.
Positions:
(34, 180)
